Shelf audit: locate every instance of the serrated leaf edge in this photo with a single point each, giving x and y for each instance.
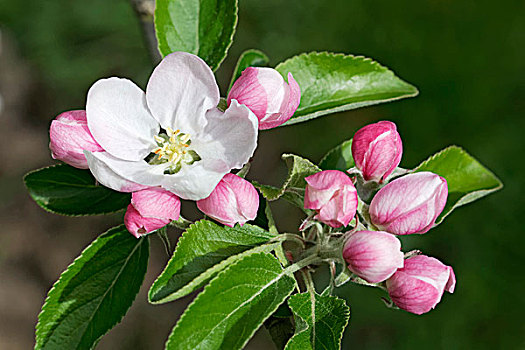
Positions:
(226, 49)
(184, 237)
(49, 210)
(195, 283)
(469, 197)
(284, 272)
(349, 106)
(288, 179)
(67, 271)
(313, 301)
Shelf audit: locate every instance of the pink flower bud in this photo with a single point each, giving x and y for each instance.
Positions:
(70, 136)
(419, 285)
(234, 200)
(410, 204)
(267, 95)
(373, 255)
(377, 150)
(333, 195)
(151, 209)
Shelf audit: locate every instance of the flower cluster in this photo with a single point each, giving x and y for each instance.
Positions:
(403, 205)
(173, 141)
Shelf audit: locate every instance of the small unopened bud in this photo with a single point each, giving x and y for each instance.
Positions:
(409, 204)
(377, 150)
(234, 200)
(333, 196)
(420, 284)
(69, 137)
(151, 209)
(373, 255)
(267, 95)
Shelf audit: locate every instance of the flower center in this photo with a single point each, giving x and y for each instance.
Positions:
(173, 148)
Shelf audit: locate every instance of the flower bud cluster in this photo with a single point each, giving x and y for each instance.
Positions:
(409, 204)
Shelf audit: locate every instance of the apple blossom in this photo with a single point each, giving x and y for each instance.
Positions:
(373, 255)
(234, 200)
(377, 150)
(419, 285)
(333, 195)
(409, 204)
(265, 93)
(151, 209)
(197, 145)
(69, 137)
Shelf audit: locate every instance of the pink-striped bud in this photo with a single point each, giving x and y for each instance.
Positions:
(410, 204)
(333, 195)
(234, 200)
(69, 137)
(419, 285)
(373, 255)
(267, 95)
(377, 150)
(151, 209)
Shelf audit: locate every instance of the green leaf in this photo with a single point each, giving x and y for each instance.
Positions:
(65, 190)
(233, 306)
(335, 82)
(249, 58)
(293, 186)
(319, 321)
(201, 27)
(467, 179)
(94, 293)
(338, 158)
(204, 250)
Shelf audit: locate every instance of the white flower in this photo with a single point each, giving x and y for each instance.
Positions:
(172, 136)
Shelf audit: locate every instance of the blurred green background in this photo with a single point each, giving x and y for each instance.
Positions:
(466, 58)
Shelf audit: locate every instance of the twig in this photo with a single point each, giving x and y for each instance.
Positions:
(145, 10)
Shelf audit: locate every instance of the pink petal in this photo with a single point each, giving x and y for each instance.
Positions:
(234, 200)
(409, 204)
(373, 255)
(138, 225)
(70, 136)
(157, 203)
(377, 150)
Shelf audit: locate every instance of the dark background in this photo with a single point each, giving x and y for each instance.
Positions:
(466, 58)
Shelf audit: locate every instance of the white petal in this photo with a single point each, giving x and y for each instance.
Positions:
(196, 181)
(135, 171)
(180, 91)
(276, 88)
(230, 136)
(119, 119)
(108, 177)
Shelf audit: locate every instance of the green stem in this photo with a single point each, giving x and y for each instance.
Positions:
(163, 235)
(181, 223)
(312, 259)
(289, 237)
(308, 281)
